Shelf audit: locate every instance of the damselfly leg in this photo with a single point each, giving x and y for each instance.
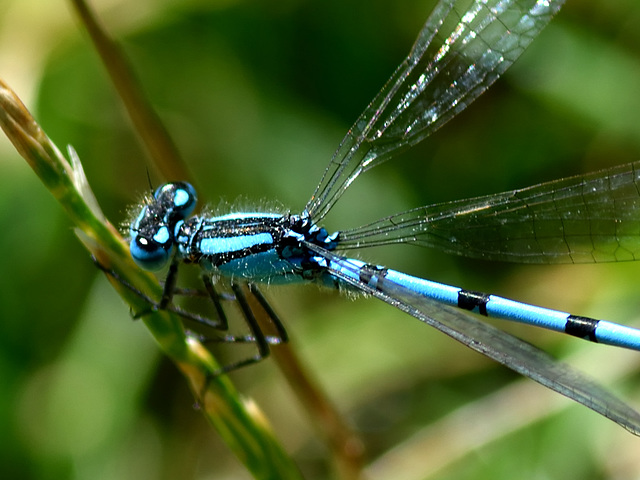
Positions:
(219, 324)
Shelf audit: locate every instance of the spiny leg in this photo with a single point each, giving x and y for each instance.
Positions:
(254, 327)
(260, 340)
(169, 285)
(277, 323)
(169, 291)
(183, 314)
(257, 336)
(216, 300)
(216, 297)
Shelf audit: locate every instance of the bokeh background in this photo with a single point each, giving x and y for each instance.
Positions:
(257, 95)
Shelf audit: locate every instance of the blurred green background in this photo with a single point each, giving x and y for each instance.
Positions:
(257, 96)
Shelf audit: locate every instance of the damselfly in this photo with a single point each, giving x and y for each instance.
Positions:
(462, 49)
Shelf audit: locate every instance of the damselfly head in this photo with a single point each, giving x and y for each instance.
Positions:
(152, 233)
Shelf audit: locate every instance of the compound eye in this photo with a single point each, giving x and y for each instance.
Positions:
(151, 253)
(184, 198)
(177, 198)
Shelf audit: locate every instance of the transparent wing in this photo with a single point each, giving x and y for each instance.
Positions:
(462, 49)
(500, 346)
(581, 219)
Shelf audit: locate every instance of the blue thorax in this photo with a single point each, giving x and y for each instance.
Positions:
(257, 247)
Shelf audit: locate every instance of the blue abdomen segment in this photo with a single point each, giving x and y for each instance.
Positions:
(494, 306)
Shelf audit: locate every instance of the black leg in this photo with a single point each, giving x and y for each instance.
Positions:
(169, 285)
(216, 300)
(165, 301)
(277, 323)
(256, 337)
(261, 341)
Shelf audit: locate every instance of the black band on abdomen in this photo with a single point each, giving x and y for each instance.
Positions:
(582, 327)
(469, 300)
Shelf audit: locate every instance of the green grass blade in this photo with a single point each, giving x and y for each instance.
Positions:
(239, 423)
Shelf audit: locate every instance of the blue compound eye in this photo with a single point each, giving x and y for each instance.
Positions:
(184, 197)
(151, 232)
(151, 253)
(178, 199)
